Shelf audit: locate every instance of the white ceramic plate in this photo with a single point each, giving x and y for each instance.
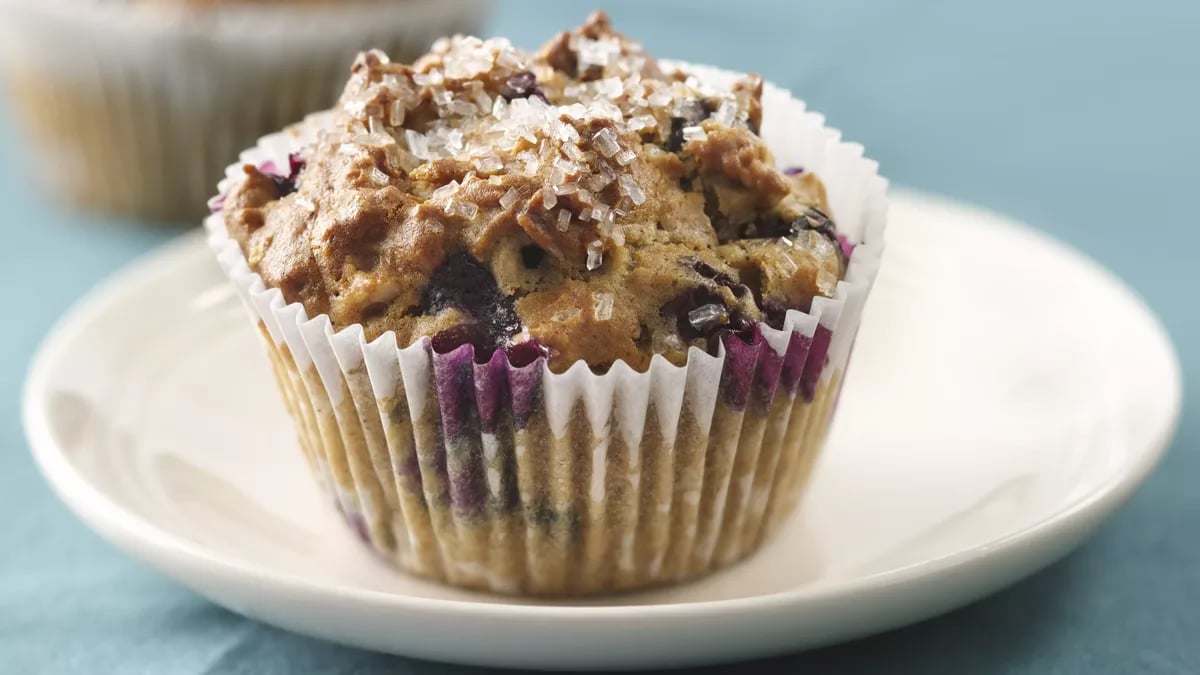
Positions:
(1006, 395)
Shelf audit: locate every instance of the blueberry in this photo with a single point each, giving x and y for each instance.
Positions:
(697, 110)
(681, 309)
(698, 313)
(286, 185)
(532, 256)
(846, 245)
(675, 138)
(454, 337)
(815, 219)
(691, 113)
(525, 353)
(522, 85)
(464, 283)
(477, 335)
(709, 272)
(684, 304)
(774, 314)
(771, 226)
(764, 226)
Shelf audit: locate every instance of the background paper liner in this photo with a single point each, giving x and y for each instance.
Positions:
(138, 108)
(519, 480)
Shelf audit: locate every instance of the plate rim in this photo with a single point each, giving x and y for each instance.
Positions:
(133, 534)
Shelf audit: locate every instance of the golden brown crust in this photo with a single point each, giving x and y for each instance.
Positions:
(578, 198)
(739, 156)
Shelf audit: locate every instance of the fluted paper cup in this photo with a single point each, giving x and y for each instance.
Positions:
(136, 107)
(512, 478)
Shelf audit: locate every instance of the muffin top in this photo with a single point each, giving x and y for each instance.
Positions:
(580, 202)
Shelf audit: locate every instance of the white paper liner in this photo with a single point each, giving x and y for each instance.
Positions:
(621, 480)
(137, 107)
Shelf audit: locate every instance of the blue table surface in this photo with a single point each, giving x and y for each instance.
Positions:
(1080, 118)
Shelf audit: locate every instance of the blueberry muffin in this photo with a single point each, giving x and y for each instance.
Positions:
(135, 106)
(572, 331)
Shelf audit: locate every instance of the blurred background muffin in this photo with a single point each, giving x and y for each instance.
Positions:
(135, 106)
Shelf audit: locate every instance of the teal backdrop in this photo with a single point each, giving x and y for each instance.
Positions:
(1079, 118)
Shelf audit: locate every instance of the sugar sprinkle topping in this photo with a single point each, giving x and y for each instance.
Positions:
(582, 143)
(595, 255)
(708, 316)
(603, 307)
(509, 198)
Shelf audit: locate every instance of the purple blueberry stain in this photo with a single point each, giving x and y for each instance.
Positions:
(815, 363)
(453, 376)
(285, 183)
(216, 203)
(509, 379)
(738, 374)
(483, 348)
(491, 388)
(454, 337)
(493, 395)
(766, 376)
(846, 245)
(792, 369)
(468, 490)
(525, 387)
(524, 353)
(793, 171)
(473, 396)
